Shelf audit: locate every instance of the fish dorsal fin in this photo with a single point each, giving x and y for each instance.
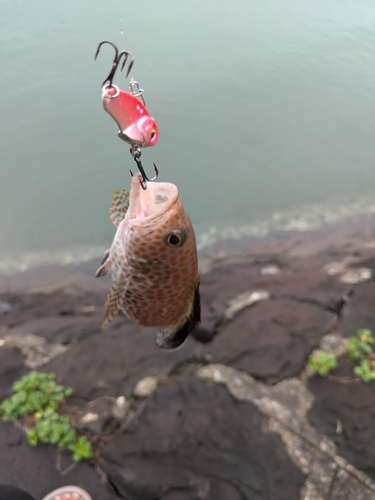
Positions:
(173, 336)
(119, 206)
(114, 301)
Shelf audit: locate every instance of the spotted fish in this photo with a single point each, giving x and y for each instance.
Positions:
(153, 261)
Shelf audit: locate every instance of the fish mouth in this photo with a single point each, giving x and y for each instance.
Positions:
(149, 205)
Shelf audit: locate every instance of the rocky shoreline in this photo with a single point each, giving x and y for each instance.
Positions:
(234, 413)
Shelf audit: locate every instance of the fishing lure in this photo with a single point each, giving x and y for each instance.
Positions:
(136, 126)
(153, 258)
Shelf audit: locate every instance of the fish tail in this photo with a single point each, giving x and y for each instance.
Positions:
(173, 336)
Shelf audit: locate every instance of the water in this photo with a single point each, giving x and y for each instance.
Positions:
(266, 113)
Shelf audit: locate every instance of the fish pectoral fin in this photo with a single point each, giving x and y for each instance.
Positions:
(114, 301)
(119, 206)
(103, 269)
(105, 265)
(173, 336)
(132, 133)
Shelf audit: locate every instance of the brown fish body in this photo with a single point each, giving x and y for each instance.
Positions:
(153, 261)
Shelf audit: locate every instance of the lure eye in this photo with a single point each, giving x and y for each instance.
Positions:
(153, 133)
(175, 238)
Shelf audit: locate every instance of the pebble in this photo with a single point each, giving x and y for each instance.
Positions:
(270, 270)
(145, 387)
(89, 417)
(244, 300)
(357, 276)
(5, 307)
(120, 408)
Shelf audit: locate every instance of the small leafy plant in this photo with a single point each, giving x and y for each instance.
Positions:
(38, 397)
(358, 348)
(322, 362)
(365, 371)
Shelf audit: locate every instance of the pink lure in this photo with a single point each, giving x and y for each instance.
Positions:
(136, 125)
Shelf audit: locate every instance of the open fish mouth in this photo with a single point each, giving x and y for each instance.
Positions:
(147, 205)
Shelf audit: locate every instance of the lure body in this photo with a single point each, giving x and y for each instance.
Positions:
(136, 126)
(153, 261)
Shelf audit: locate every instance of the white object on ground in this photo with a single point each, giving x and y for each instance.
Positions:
(64, 490)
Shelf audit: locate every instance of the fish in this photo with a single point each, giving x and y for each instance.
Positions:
(136, 126)
(153, 261)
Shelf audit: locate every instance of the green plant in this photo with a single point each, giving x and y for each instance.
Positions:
(366, 370)
(34, 392)
(37, 395)
(360, 346)
(322, 362)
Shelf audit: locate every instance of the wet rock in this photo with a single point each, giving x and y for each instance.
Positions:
(34, 468)
(345, 412)
(272, 339)
(359, 312)
(11, 369)
(192, 441)
(112, 362)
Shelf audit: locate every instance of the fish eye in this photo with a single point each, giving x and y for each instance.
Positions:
(153, 133)
(175, 239)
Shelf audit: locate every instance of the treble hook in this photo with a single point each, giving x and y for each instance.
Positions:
(136, 154)
(108, 81)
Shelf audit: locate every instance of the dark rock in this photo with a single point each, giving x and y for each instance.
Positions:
(39, 305)
(34, 469)
(225, 282)
(60, 329)
(346, 487)
(211, 314)
(95, 417)
(359, 312)
(311, 285)
(11, 369)
(272, 339)
(194, 441)
(113, 361)
(346, 413)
